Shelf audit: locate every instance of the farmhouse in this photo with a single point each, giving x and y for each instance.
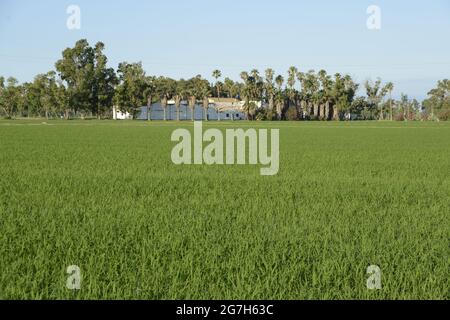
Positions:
(231, 108)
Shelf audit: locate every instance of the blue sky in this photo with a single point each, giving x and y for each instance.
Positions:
(180, 38)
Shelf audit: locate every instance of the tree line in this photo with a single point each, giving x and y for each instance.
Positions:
(82, 85)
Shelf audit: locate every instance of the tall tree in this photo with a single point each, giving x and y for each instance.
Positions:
(9, 96)
(149, 92)
(130, 93)
(291, 92)
(437, 104)
(77, 70)
(375, 94)
(279, 97)
(217, 74)
(390, 88)
(270, 88)
(179, 95)
(105, 80)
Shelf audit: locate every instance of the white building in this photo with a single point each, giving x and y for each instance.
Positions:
(119, 115)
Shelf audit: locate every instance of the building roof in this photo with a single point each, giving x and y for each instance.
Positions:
(223, 100)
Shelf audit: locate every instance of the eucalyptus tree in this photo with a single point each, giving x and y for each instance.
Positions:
(343, 92)
(104, 82)
(26, 95)
(90, 83)
(390, 87)
(9, 96)
(438, 101)
(375, 94)
(404, 105)
(358, 106)
(62, 99)
(2, 90)
(47, 92)
(76, 69)
(351, 88)
(131, 90)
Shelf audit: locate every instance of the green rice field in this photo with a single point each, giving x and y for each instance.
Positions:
(105, 196)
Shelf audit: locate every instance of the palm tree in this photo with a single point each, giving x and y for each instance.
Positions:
(217, 74)
(244, 90)
(164, 105)
(148, 93)
(165, 87)
(149, 107)
(323, 95)
(177, 100)
(230, 87)
(206, 107)
(269, 88)
(314, 86)
(203, 90)
(291, 92)
(180, 93)
(279, 97)
(191, 103)
(303, 94)
(337, 93)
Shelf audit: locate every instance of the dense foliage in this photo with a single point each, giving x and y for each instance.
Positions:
(83, 85)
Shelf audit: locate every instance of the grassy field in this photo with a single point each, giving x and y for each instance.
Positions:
(105, 196)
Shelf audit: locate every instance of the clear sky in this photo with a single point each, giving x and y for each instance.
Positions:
(183, 38)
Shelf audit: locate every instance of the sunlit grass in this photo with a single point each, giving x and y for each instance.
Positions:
(105, 196)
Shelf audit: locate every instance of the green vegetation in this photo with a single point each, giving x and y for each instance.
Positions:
(105, 196)
(83, 85)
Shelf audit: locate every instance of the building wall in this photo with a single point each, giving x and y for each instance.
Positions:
(185, 113)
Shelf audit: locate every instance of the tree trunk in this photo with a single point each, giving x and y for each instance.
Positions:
(205, 107)
(178, 112)
(335, 113)
(390, 108)
(149, 108)
(271, 103)
(316, 111)
(327, 111)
